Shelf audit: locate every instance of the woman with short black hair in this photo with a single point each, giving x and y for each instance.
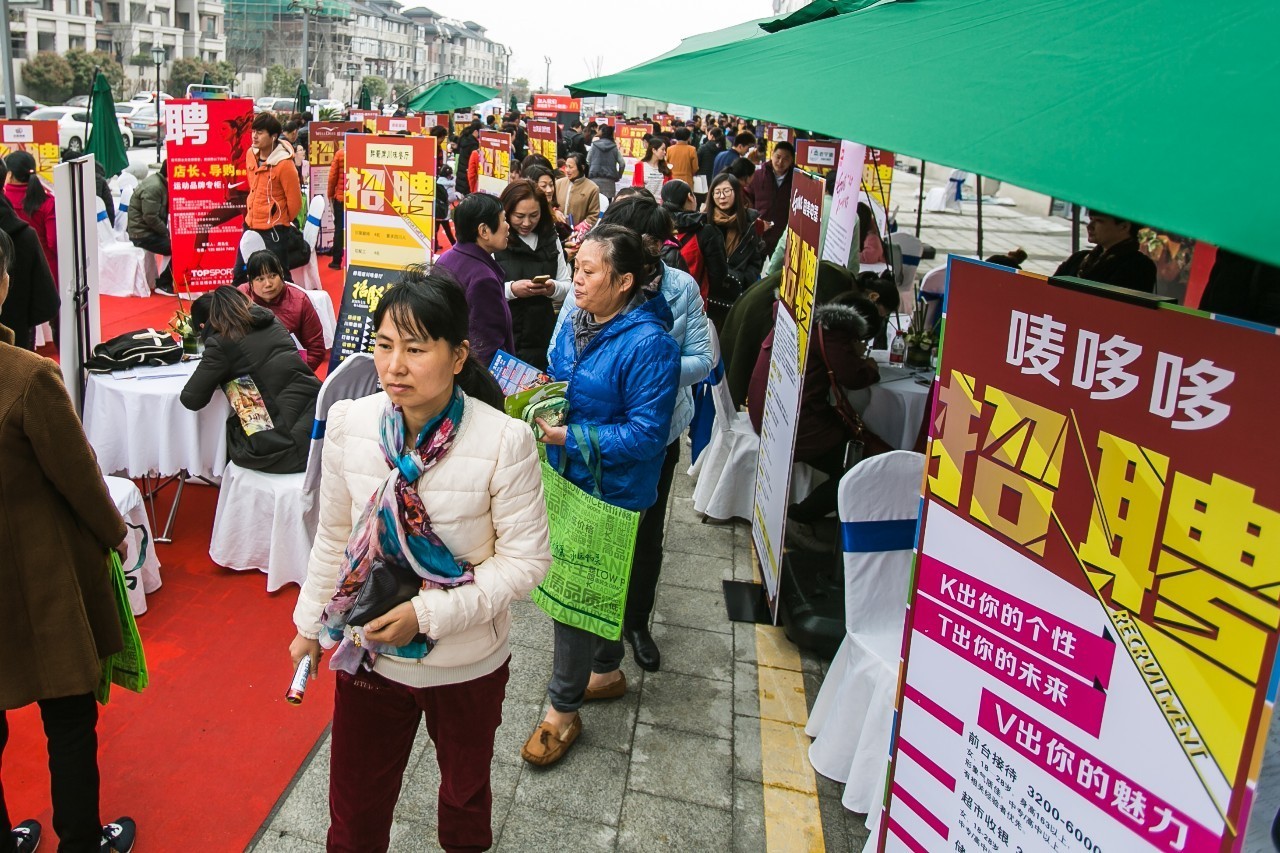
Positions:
(482, 229)
(533, 252)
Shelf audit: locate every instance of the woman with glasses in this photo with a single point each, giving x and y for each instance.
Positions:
(727, 209)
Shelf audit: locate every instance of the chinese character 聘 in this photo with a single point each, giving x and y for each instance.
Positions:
(187, 122)
(1167, 820)
(1189, 390)
(1056, 689)
(1058, 755)
(1035, 344)
(1100, 365)
(1131, 803)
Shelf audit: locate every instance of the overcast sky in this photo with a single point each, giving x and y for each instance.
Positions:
(617, 33)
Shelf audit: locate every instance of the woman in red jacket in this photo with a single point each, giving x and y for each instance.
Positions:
(33, 204)
(292, 307)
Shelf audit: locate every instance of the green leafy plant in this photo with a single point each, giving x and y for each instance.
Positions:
(377, 86)
(83, 64)
(329, 114)
(48, 77)
(280, 81)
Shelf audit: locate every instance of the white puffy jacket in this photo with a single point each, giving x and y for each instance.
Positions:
(485, 502)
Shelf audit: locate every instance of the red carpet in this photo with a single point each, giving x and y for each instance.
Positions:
(201, 756)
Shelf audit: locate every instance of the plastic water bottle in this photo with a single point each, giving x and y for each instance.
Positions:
(898, 349)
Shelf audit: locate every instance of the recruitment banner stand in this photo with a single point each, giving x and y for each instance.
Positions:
(324, 137)
(75, 206)
(543, 139)
(37, 138)
(782, 397)
(1089, 654)
(495, 161)
(390, 210)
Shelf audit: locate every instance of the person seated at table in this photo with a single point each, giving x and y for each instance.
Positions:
(250, 356)
(1115, 257)
(291, 305)
(750, 321)
(882, 290)
(837, 362)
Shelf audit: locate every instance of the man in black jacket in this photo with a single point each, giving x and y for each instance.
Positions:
(571, 140)
(1115, 257)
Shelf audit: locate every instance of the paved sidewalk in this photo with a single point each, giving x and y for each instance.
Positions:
(674, 765)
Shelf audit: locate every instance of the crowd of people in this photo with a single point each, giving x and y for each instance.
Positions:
(431, 512)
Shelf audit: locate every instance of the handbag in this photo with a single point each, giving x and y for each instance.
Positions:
(127, 667)
(139, 348)
(297, 251)
(700, 184)
(385, 588)
(862, 442)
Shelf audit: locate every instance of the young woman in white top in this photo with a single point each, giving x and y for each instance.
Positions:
(431, 521)
(652, 172)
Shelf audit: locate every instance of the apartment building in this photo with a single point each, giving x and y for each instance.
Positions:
(123, 28)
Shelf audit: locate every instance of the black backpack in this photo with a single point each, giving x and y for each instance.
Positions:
(134, 349)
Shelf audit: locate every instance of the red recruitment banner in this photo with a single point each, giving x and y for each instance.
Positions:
(403, 124)
(788, 356)
(206, 145)
(877, 175)
(495, 161)
(556, 104)
(365, 117)
(630, 139)
(818, 155)
(543, 139)
(37, 138)
(1092, 630)
(324, 137)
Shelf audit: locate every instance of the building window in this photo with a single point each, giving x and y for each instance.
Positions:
(184, 20)
(76, 42)
(45, 41)
(137, 13)
(18, 44)
(113, 13)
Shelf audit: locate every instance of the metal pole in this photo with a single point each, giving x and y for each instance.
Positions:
(1075, 228)
(6, 58)
(305, 43)
(979, 217)
(547, 60)
(158, 107)
(920, 199)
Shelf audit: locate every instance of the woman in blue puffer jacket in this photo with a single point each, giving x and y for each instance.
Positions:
(615, 350)
(691, 333)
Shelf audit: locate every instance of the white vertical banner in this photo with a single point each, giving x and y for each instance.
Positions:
(75, 204)
(844, 205)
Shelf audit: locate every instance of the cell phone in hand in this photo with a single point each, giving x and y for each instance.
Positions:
(541, 279)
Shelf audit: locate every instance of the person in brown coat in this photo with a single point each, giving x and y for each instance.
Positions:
(57, 522)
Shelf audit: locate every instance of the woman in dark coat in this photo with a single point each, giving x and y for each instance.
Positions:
(533, 251)
(727, 209)
(250, 356)
(33, 295)
(57, 522)
(482, 230)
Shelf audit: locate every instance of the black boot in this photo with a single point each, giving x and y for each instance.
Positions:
(643, 648)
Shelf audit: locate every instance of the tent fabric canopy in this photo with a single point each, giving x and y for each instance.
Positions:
(449, 95)
(106, 142)
(1131, 108)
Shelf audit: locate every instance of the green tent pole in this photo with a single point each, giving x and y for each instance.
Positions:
(1075, 228)
(979, 217)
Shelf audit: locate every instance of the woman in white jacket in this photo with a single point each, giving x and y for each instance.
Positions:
(431, 520)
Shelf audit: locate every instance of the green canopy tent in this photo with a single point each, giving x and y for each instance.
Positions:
(302, 98)
(1125, 107)
(449, 95)
(106, 143)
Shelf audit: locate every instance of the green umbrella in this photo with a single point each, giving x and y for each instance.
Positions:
(513, 107)
(1076, 99)
(106, 142)
(449, 95)
(302, 98)
(366, 101)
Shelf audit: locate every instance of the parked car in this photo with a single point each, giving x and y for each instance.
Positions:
(76, 101)
(146, 127)
(73, 125)
(284, 107)
(262, 105)
(149, 97)
(26, 107)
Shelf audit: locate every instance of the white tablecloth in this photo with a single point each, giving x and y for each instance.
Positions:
(128, 500)
(323, 304)
(138, 426)
(894, 408)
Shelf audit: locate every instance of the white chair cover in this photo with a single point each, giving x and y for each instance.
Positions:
(307, 276)
(852, 717)
(323, 303)
(128, 501)
(906, 260)
(726, 470)
(250, 242)
(122, 213)
(121, 266)
(355, 377)
(264, 522)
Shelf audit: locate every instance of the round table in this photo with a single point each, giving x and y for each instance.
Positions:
(138, 426)
(895, 407)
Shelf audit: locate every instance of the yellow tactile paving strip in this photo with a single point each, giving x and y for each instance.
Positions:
(793, 821)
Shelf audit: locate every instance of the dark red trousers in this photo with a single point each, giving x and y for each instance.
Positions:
(374, 723)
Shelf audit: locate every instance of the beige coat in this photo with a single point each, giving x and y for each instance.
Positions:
(57, 521)
(579, 199)
(485, 501)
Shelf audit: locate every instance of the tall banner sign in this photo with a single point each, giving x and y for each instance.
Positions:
(786, 372)
(843, 219)
(366, 118)
(37, 138)
(877, 175)
(774, 134)
(543, 138)
(206, 146)
(323, 140)
(495, 161)
(558, 107)
(401, 124)
(630, 141)
(390, 206)
(1089, 659)
(820, 156)
(461, 120)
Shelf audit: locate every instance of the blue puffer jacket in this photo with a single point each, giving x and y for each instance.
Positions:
(689, 329)
(624, 385)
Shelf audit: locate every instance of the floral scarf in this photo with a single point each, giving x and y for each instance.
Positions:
(395, 528)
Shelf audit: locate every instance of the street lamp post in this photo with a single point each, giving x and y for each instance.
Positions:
(506, 73)
(157, 56)
(352, 68)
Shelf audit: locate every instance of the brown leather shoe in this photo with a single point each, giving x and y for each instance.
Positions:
(612, 690)
(545, 746)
